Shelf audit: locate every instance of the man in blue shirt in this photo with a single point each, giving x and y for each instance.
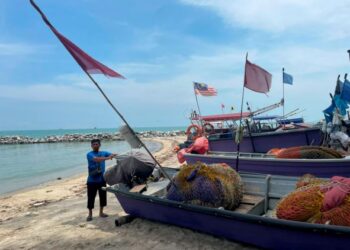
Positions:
(95, 182)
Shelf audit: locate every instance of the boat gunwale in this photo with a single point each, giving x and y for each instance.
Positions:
(249, 218)
(233, 155)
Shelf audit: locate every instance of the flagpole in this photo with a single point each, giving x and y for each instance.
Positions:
(283, 92)
(199, 110)
(104, 95)
(127, 124)
(240, 120)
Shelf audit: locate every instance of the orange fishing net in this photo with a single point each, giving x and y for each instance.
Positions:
(216, 185)
(308, 152)
(308, 202)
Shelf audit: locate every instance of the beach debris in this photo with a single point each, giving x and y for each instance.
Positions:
(39, 203)
(30, 214)
(123, 218)
(318, 201)
(216, 185)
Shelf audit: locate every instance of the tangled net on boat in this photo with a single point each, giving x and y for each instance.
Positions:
(308, 152)
(216, 185)
(318, 201)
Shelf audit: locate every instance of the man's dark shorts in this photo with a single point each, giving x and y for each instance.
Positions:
(92, 189)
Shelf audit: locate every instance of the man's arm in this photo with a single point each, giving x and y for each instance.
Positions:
(100, 159)
(104, 158)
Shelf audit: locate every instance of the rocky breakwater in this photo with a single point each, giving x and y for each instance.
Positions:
(83, 137)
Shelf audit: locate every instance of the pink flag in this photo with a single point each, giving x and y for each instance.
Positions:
(256, 78)
(86, 62)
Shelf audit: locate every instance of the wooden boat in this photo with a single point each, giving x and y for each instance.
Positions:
(268, 164)
(261, 138)
(262, 142)
(253, 222)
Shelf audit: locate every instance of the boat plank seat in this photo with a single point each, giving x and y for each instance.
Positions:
(251, 204)
(156, 188)
(251, 199)
(138, 188)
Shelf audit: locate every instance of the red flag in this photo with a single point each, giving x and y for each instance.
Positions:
(256, 78)
(86, 62)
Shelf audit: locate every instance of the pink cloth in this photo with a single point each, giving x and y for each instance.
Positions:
(86, 62)
(256, 78)
(336, 192)
(200, 146)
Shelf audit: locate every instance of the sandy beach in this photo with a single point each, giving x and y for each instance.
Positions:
(53, 216)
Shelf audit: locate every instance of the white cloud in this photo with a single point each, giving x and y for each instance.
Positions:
(167, 84)
(329, 17)
(11, 49)
(47, 93)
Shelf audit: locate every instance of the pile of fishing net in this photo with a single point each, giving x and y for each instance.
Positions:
(306, 152)
(318, 201)
(216, 185)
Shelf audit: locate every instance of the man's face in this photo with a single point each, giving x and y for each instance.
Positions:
(95, 146)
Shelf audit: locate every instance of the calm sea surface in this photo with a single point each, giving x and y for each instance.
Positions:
(26, 165)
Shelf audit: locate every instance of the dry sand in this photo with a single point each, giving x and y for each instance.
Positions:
(53, 216)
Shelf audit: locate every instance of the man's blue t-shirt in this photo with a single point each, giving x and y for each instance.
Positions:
(93, 166)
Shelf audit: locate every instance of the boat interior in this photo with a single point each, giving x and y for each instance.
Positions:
(261, 192)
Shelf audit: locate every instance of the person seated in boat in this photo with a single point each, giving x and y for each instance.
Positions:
(95, 181)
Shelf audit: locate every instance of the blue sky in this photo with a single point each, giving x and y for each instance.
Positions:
(161, 47)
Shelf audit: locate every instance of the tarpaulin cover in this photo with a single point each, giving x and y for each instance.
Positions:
(135, 163)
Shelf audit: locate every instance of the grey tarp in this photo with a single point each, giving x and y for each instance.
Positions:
(135, 163)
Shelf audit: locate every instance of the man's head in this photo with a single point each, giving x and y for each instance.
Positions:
(95, 144)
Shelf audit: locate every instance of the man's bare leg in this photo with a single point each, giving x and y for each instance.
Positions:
(102, 214)
(89, 218)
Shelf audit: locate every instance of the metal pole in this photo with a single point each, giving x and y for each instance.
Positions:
(127, 124)
(104, 95)
(199, 110)
(240, 120)
(283, 92)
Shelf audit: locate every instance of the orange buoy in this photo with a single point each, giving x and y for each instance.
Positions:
(193, 135)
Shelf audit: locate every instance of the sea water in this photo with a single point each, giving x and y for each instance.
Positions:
(26, 165)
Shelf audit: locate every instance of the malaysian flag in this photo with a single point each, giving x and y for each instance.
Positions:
(203, 89)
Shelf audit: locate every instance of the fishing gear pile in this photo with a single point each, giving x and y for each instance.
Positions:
(306, 152)
(318, 201)
(216, 185)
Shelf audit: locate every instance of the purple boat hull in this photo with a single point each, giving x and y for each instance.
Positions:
(251, 229)
(286, 167)
(263, 142)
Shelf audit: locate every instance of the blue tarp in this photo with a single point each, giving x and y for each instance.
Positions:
(291, 120)
(345, 92)
(268, 117)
